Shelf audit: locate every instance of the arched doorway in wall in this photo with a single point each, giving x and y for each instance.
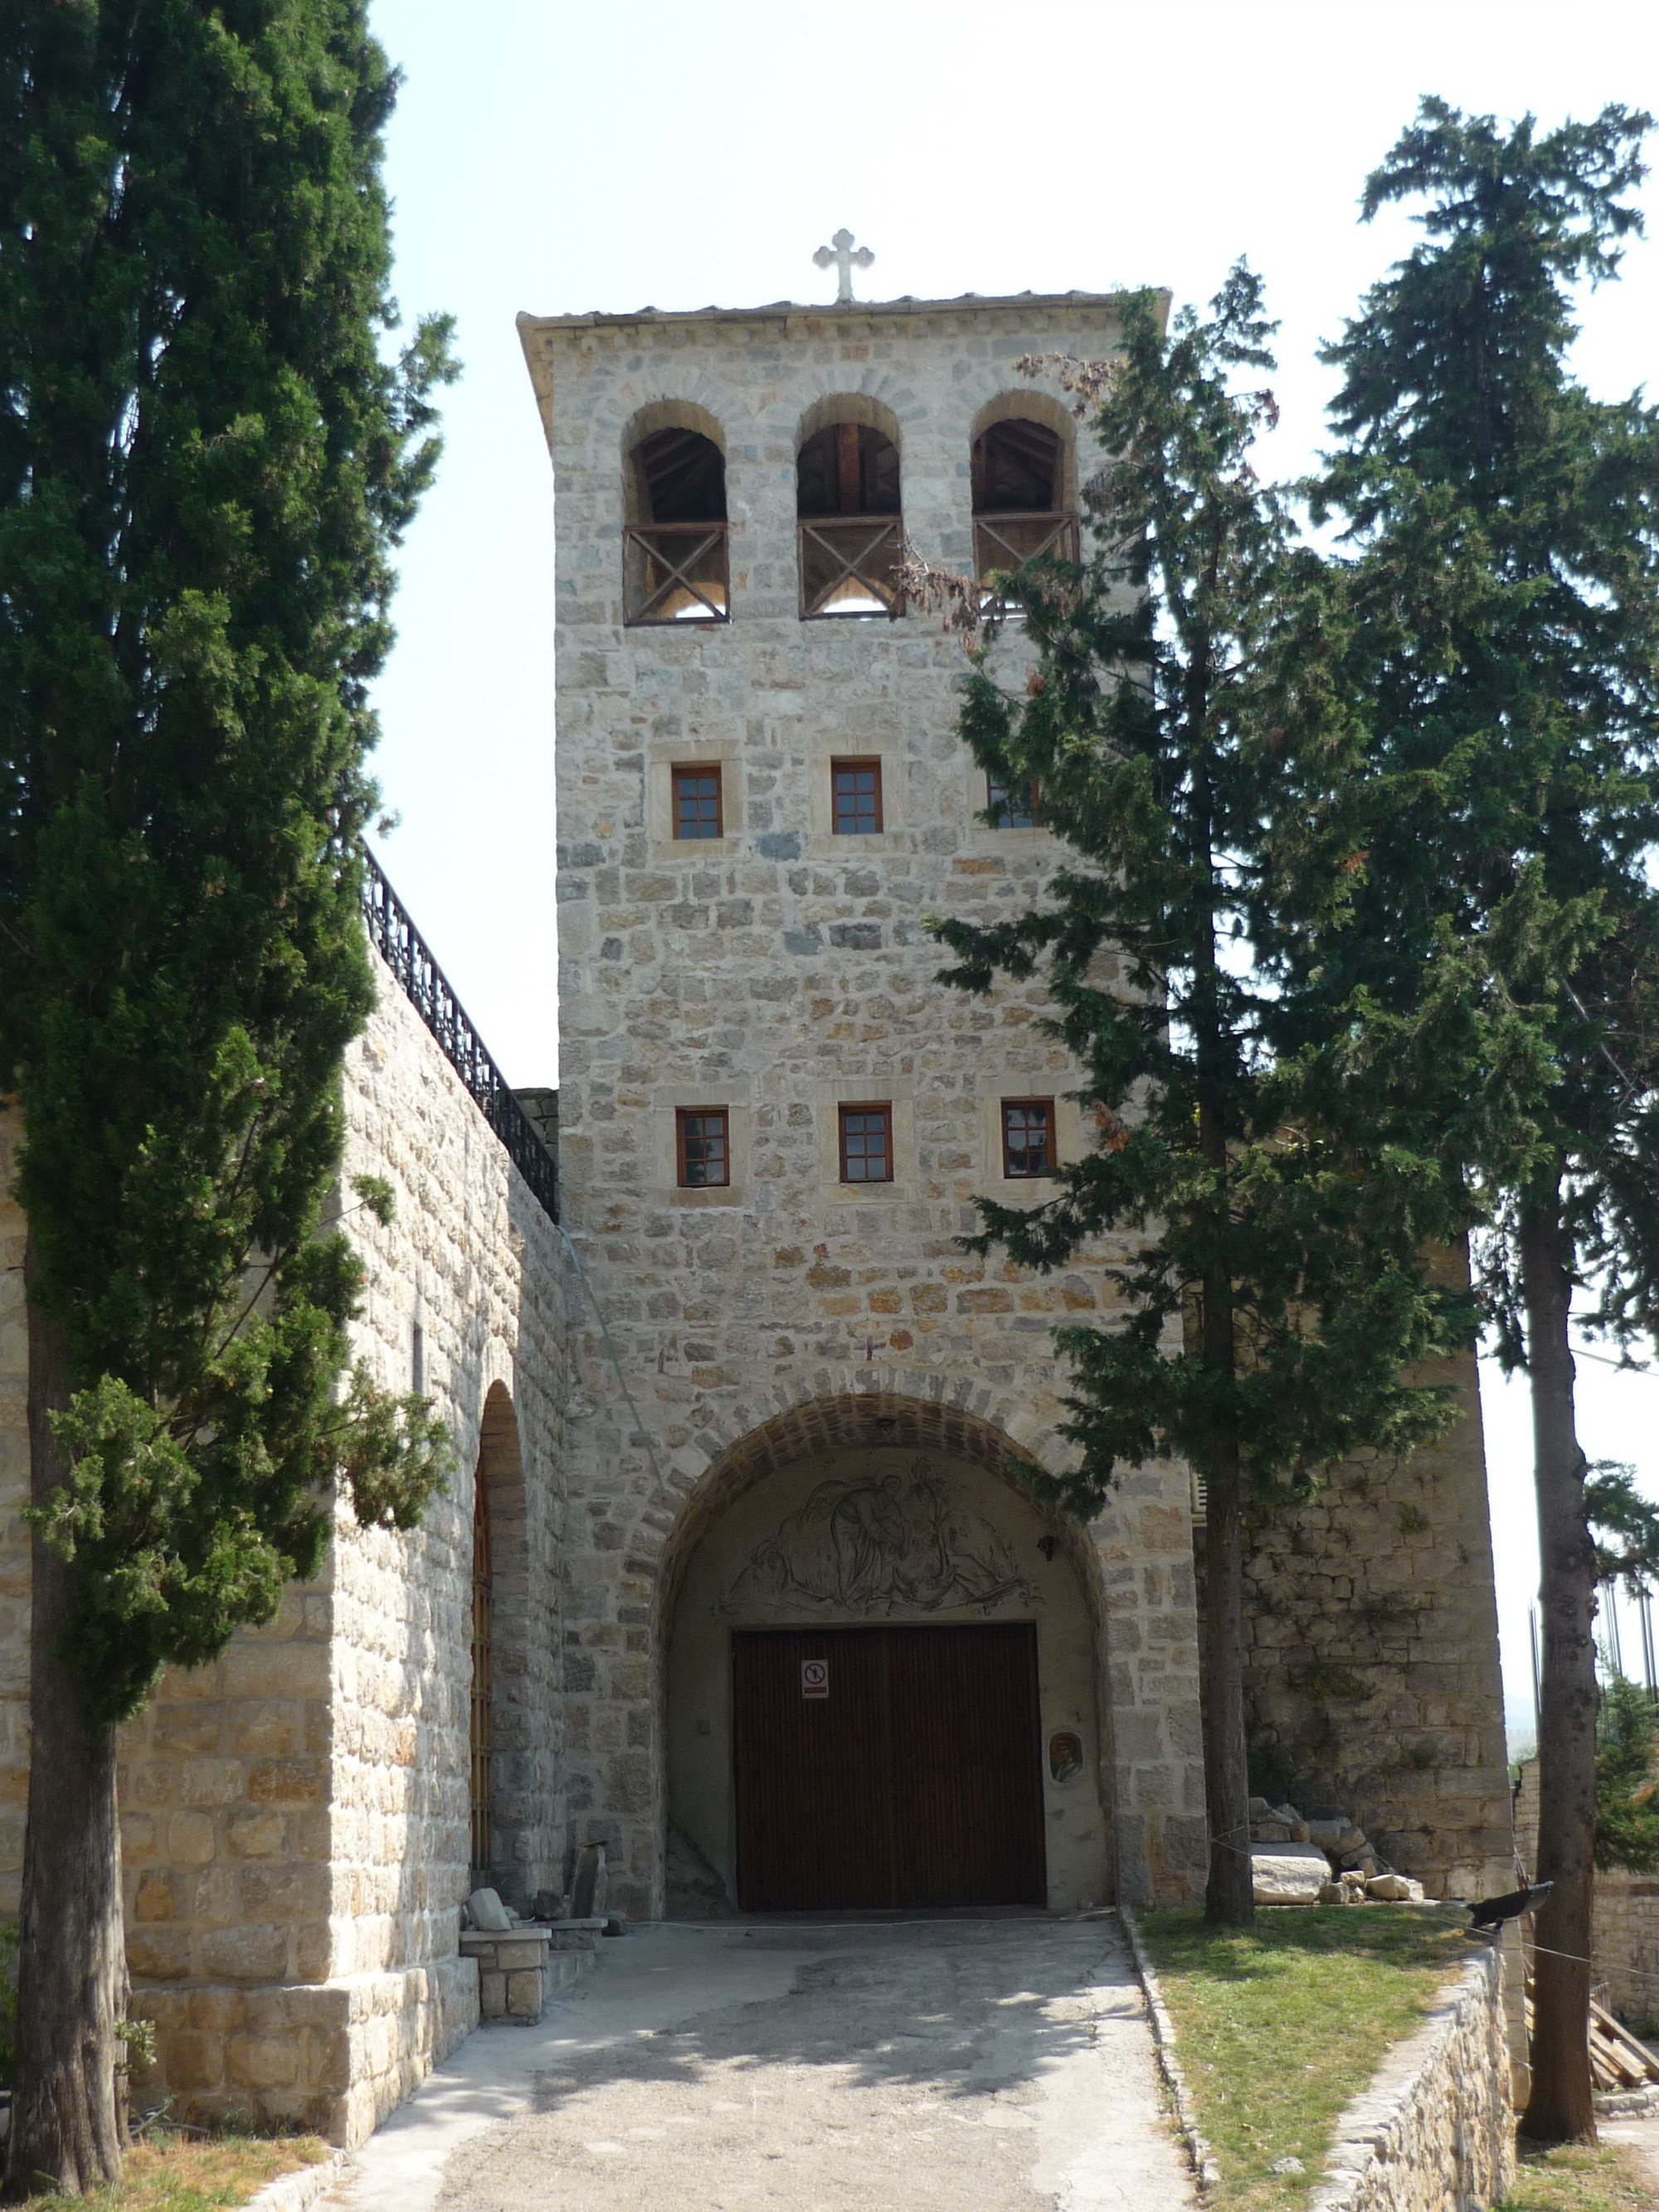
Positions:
(882, 1672)
(500, 1726)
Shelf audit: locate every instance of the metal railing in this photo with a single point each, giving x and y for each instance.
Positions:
(849, 565)
(677, 572)
(1006, 542)
(426, 986)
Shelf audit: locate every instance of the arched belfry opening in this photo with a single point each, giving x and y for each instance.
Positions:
(1023, 473)
(500, 1732)
(848, 510)
(883, 1676)
(676, 551)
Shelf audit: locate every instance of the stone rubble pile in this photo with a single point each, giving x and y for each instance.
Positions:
(1320, 1861)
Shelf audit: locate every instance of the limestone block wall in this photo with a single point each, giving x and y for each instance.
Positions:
(1435, 2126)
(1626, 1944)
(1624, 1939)
(296, 1815)
(1373, 1681)
(780, 970)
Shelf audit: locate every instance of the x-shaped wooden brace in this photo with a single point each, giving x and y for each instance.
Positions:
(651, 541)
(1016, 558)
(885, 527)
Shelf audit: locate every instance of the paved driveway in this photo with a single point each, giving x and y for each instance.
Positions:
(985, 2065)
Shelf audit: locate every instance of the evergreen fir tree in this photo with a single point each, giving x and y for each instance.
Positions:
(205, 457)
(1627, 1779)
(1185, 742)
(1506, 643)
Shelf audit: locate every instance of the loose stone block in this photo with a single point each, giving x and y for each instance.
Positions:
(1289, 1874)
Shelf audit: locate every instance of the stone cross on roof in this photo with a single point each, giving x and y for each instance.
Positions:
(840, 250)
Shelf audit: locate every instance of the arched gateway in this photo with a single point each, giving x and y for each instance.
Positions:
(881, 1673)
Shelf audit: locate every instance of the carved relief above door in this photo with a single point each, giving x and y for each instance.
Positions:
(878, 1545)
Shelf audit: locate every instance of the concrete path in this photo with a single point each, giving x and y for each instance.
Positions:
(984, 2065)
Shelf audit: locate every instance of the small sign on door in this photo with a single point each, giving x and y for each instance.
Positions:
(815, 1677)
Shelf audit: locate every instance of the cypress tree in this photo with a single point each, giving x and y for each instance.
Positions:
(1184, 739)
(206, 455)
(1506, 589)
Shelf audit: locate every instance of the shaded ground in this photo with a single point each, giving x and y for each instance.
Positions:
(982, 2065)
(1640, 2137)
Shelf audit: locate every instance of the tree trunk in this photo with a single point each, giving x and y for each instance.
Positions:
(68, 2132)
(1228, 1895)
(1230, 1891)
(1561, 2109)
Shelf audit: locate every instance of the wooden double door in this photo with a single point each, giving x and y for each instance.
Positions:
(888, 1767)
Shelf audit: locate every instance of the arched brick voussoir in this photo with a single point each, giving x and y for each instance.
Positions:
(678, 383)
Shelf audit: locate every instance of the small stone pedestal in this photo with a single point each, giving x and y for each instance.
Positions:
(511, 1972)
(520, 1967)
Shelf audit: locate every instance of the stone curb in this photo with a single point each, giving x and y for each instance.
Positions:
(293, 2192)
(1627, 2104)
(1363, 2136)
(1205, 2169)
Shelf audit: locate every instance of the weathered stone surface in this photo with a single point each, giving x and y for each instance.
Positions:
(1288, 1874)
(1435, 2127)
(1373, 1677)
(1395, 1888)
(1625, 1944)
(591, 1885)
(779, 970)
(295, 1814)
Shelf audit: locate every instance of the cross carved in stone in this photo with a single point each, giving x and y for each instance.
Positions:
(845, 258)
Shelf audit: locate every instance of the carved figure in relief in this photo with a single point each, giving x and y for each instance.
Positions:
(878, 1544)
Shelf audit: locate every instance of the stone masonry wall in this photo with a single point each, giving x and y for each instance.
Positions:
(1626, 1944)
(781, 969)
(1435, 2127)
(295, 1814)
(1624, 1939)
(1373, 1685)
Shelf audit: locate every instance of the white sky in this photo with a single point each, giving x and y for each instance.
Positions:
(558, 156)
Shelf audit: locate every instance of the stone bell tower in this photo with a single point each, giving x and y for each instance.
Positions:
(806, 1411)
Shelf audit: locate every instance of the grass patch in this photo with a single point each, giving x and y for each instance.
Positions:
(1574, 2179)
(170, 2171)
(1279, 2024)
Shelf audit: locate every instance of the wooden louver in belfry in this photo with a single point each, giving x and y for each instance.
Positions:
(480, 1724)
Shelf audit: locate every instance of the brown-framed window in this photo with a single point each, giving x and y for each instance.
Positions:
(855, 788)
(1028, 1137)
(1014, 805)
(867, 1144)
(703, 1142)
(697, 808)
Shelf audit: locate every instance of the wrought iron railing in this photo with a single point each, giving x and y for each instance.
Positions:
(676, 572)
(1006, 542)
(849, 565)
(426, 986)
